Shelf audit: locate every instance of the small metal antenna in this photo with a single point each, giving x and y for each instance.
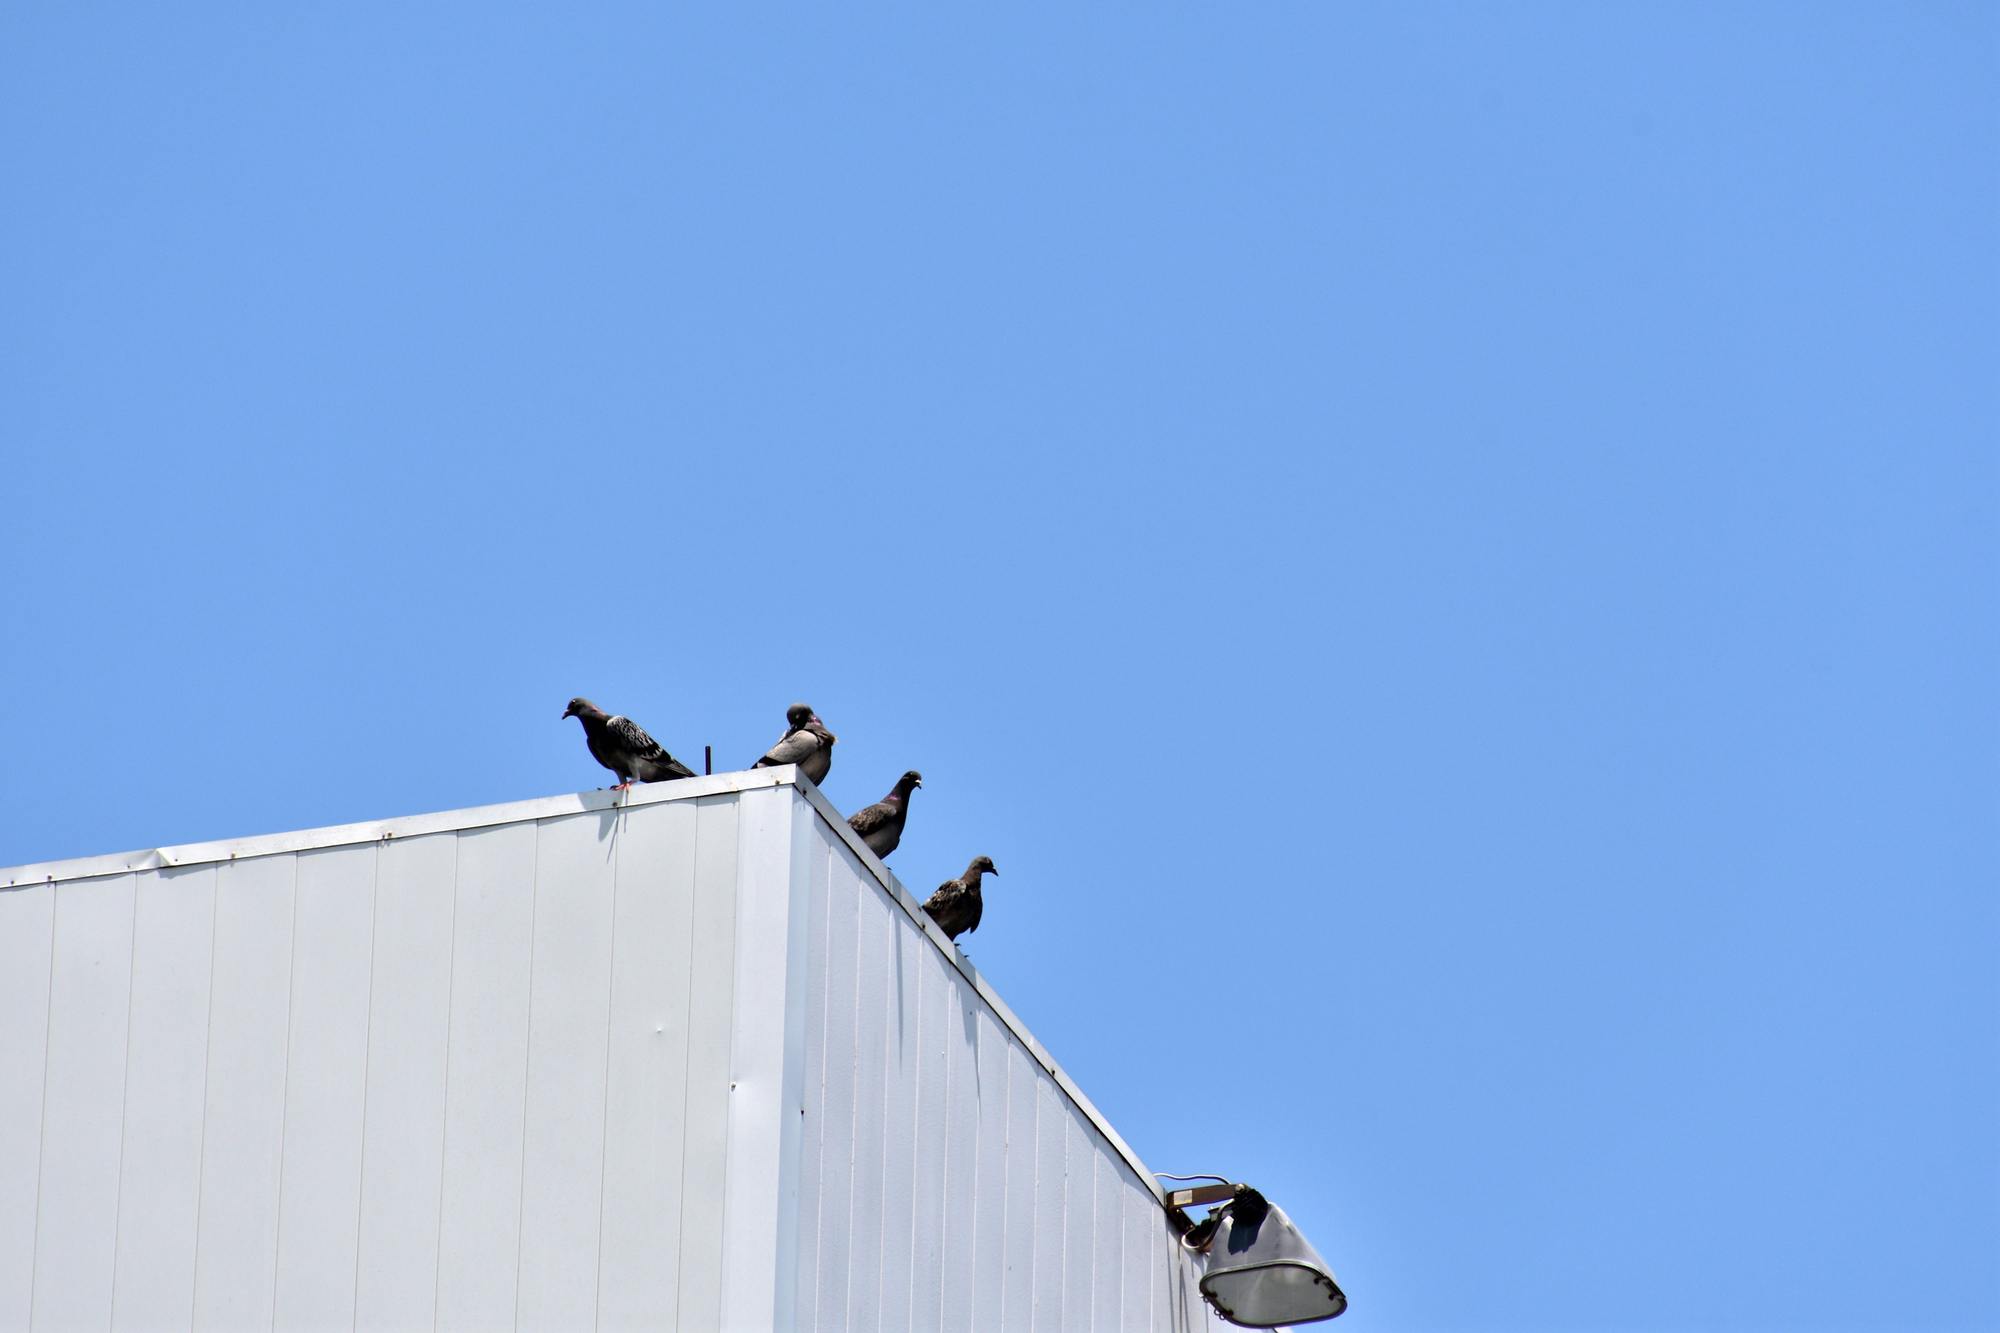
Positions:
(707, 759)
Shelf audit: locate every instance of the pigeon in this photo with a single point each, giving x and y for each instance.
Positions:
(622, 745)
(881, 824)
(956, 904)
(806, 742)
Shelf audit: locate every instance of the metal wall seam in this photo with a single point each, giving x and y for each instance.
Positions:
(803, 909)
(766, 1067)
(485, 1113)
(711, 1014)
(812, 1095)
(166, 1091)
(84, 1088)
(236, 1250)
(27, 969)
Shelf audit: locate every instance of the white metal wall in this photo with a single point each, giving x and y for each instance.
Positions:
(947, 1180)
(462, 1080)
(692, 1062)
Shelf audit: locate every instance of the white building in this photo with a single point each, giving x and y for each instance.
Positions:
(685, 1058)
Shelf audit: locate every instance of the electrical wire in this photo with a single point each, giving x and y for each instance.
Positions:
(1224, 1180)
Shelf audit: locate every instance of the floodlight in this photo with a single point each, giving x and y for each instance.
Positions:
(1260, 1272)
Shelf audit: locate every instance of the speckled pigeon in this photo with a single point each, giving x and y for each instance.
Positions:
(806, 742)
(622, 745)
(956, 905)
(881, 824)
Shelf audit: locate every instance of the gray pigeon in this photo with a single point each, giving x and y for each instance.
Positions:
(956, 905)
(622, 745)
(806, 742)
(881, 824)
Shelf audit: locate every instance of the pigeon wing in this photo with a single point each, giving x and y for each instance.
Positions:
(946, 905)
(649, 760)
(795, 748)
(630, 737)
(666, 768)
(867, 820)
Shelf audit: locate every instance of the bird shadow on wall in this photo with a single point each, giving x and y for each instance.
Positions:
(896, 943)
(969, 1012)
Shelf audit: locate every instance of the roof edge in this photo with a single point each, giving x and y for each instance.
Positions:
(39, 873)
(404, 826)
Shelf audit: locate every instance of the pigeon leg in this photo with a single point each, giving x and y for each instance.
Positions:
(626, 785)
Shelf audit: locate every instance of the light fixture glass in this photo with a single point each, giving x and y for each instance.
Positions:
(1262, 1273)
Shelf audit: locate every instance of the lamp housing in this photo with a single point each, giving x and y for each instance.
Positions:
(1261, 1273)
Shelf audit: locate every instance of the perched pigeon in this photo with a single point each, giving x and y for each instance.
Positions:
(622, 745)
(806, 742)
(956, 904)
(881, 824)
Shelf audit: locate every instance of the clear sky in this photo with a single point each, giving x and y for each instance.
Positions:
(1448, 552)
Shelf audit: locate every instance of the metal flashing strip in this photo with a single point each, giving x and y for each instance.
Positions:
(380, 830)
(545, 807)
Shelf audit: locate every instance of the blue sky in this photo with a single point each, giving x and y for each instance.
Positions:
(1448, 552)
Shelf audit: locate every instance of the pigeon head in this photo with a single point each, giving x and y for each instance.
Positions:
(908, 781)
(582, 707)
(800, 714)
(981, 865)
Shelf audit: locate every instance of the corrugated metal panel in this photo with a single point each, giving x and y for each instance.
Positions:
(826, 1246)
(243, 1113)
(875, 944)
(706, 1111)
(901, 1141)
(931, 1145)
(569, 993)
(486, 1083)
(409, 1025)
(958, 1231)
(991, 1248)
(954, 1180)
(814, 1172)
(683, 1058)
(89, 1000)
(1026, 1212)
(760, 1199)
(27, 952)
(366, 1083)
(651, 967)
(166, 1078)
(326, 1087)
